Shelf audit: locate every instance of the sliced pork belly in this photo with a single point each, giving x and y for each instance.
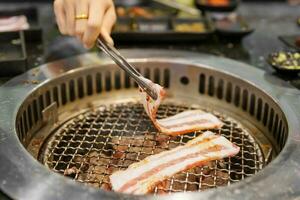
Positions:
(185, 122)
(142, 177)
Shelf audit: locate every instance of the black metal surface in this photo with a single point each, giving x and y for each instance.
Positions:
(18, 56)
(13, 57)
(30, 42)
(290, 40)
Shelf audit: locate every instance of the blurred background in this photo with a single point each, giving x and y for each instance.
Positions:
(248, 31)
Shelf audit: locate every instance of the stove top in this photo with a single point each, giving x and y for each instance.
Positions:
(269, 19)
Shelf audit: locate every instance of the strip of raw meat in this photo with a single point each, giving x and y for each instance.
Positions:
(13, 23)
(143, 176)
(185, 122)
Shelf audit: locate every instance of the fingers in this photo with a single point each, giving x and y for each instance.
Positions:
(101, 18)
(82, 7)
(109, 20)
(96, 12)
(70, 16)
(60, 15)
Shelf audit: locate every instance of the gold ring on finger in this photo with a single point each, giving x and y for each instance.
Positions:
(82, 16)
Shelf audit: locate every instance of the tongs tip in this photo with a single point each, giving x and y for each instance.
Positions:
(152, 94)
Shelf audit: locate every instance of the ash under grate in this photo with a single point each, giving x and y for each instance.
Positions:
(93, 145)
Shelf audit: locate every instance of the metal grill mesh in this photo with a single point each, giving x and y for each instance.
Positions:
(93, 145)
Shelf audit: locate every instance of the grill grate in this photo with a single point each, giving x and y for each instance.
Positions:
(93, 145)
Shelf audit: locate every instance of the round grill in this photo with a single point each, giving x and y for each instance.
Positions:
(94, 144)
(87, 123)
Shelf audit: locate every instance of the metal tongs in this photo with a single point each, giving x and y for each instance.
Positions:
(115, 55)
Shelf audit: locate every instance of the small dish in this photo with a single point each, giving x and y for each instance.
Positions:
(235, 28)
(217, 5)
(285, 62)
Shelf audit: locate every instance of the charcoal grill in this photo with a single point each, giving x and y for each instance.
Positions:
(68, 125)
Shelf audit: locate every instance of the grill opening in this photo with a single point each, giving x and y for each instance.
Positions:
(237, 96)
(211, 86)
(87, 124)
(202, 84)
(184, 80)
(229, 92)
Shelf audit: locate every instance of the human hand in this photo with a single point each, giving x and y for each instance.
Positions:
(85, 19)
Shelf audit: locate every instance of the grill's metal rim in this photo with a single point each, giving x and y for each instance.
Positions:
(21, 173)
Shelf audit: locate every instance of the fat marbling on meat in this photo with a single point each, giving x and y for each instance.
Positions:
(184, 122)
(143, 176)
